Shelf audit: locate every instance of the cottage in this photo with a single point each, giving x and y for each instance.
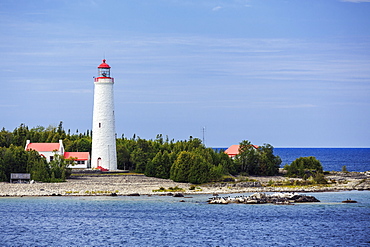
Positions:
(48, 150)
(233, 150)
(81, 159)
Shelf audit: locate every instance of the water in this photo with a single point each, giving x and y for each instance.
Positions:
(332, 159)
(164, 221)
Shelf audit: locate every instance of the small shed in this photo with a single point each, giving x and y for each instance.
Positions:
(81, 159)
(21, 178)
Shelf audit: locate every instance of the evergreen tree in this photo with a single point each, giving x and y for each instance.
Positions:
(199, 171)
(59, 168)
(304, 167)
(180, 169)
(163, 169)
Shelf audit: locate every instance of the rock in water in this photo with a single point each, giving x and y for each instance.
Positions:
(134, 194)
(349, 201)
(178, 195)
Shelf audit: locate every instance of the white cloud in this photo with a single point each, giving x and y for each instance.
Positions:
(216, 8)
(78, 91)
(356, 1)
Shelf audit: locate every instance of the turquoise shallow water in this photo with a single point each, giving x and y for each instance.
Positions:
(164, 221)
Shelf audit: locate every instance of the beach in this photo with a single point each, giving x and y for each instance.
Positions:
(121, 184)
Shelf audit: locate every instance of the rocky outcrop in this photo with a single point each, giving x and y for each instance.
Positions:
(261, 198)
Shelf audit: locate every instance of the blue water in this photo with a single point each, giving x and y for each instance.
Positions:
(332, 159)
(164, 221)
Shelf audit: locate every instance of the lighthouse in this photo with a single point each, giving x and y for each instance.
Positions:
(103, 153)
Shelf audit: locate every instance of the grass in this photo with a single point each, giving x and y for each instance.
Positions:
(72, 192)
(170, 189)
(100, 192)
(194, 188)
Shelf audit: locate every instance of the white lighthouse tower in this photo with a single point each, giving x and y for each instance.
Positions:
(103, 153)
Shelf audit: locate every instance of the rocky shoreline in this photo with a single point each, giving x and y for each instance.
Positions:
(124, 185)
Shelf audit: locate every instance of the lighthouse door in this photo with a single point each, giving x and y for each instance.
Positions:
(99, 162)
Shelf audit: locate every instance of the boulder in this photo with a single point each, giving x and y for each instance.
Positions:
(178, 195)
(134, 194)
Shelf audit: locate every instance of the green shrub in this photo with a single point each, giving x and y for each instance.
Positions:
(304, 167)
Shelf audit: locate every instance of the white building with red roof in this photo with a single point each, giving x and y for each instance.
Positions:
(48, 150)
(82, 159)
(233, 150)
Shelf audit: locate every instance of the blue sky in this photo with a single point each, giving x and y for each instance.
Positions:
(292, 73)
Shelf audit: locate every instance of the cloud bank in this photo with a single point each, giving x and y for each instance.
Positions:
(356, 1)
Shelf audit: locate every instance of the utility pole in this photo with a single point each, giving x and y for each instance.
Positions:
(204, 139)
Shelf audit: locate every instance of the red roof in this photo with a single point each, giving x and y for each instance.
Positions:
(43, 147)
(78, 155)
(104, 65)
(233, 150)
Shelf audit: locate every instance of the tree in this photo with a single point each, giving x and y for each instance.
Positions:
(38, 167)
(163, 169)
(247, 158)
(159, 166)
(181, 167)
(5, 138)
(199, 171)
(20, 135)
(123, 157)
(16, 160)
(192, 167)
(84, 144)
(304, 167)
(151, 167)
(140, 159)
(59, 168)
(268, 163)
(254, 160)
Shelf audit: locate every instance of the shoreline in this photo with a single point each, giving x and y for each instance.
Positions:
(133, 185)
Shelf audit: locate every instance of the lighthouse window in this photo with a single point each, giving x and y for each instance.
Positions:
(99, 125)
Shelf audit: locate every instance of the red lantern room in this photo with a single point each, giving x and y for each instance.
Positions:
(104, 70)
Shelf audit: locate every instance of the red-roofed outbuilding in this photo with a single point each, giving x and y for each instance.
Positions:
(233, 150)
(82, 159)
(48, 150)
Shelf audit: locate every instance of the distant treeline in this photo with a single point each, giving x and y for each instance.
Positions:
(77, 142)
(181, 161)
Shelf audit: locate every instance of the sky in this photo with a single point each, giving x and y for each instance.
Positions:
(290, 73)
